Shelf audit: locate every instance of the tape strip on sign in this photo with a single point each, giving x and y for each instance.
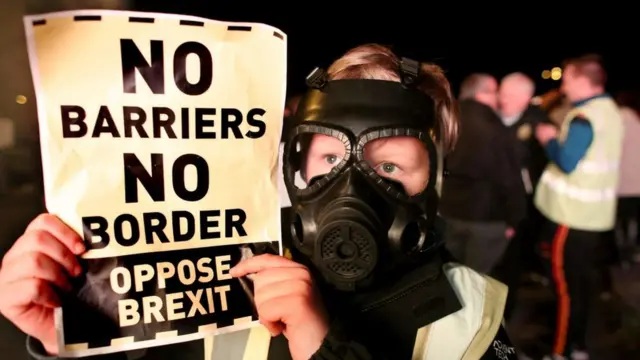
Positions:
(159, 137)
(148, 20)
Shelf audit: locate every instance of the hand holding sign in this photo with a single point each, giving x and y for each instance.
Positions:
(286, 301)
(39, 263)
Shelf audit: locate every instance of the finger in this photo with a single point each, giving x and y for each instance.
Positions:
(28, 291)
(276, 275)
(274, 328)
(43, 242)
(35, 265)
(262, 262)
(280, 309)
(60, 230)
(281, 289)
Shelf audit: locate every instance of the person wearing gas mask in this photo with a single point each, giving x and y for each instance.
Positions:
(368, 277)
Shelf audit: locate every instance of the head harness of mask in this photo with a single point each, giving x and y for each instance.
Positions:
(354, 225)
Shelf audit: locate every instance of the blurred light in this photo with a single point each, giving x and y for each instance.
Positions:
(21, 99)
(556, 73)
(556, 69)
(546, 74)
(536, 100)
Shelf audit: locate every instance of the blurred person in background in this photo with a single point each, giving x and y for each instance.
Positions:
(577, 195)
(483, 198)
(628, 218)
(520, 118)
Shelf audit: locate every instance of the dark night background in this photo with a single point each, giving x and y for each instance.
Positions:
(520, 36)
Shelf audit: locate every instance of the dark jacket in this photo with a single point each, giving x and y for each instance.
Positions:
(530, 153)
(483, 180)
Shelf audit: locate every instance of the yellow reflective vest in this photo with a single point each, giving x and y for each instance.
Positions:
(585, 199)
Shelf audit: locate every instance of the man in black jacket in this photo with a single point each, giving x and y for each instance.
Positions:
(482, 197)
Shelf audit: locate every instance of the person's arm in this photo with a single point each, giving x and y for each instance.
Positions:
(567, 155)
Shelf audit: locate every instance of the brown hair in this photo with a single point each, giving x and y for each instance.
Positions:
(377, 62)
(591, 66)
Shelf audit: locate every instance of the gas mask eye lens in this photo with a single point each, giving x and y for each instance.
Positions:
(396, 159)
(316, 157)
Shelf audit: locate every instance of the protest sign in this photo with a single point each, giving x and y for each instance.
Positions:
(159, 138)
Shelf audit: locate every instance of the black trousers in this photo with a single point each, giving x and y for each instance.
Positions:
(573, 259)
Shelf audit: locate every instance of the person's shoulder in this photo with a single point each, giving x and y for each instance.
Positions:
(483, 299)
(466, 109)
(472, 107)
(466, 103)
(463, 277)
(479, 293)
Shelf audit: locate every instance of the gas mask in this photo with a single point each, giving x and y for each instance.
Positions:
(353, 221)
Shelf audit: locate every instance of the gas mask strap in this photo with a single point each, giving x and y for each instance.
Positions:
(409, 72)
(440, 158)
(317, 79)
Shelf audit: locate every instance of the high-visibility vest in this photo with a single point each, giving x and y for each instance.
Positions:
(585, 199)
(466, 334)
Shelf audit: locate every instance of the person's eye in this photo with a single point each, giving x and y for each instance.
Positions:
(388, 168)
(332, 159)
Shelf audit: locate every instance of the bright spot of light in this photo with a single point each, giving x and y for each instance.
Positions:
(556, 73)
(546, 74)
